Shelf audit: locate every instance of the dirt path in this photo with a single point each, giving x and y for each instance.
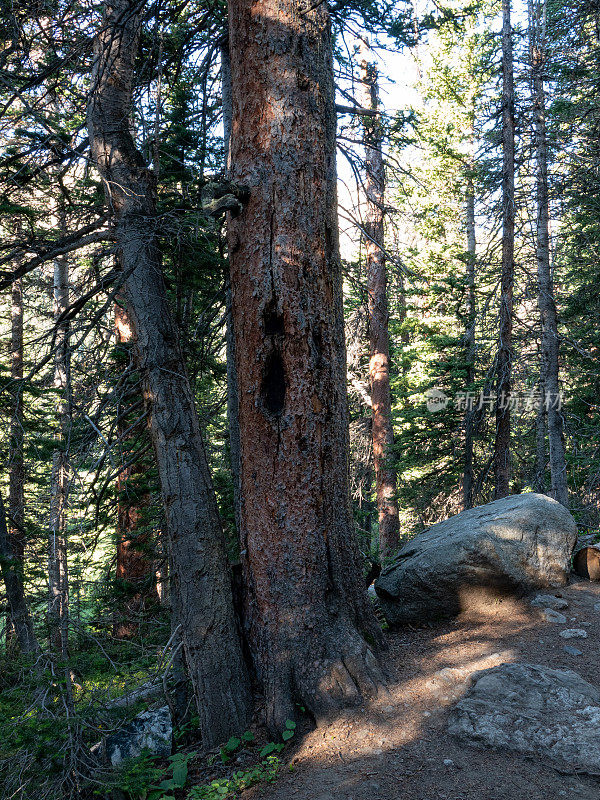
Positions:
(399, 748)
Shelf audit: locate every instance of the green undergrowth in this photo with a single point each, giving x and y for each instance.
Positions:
(144, 778)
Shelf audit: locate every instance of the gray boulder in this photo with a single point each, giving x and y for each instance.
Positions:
(514, 545)
(150, 730)
(533, 710)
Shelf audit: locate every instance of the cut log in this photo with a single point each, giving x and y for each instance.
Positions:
(587, 563)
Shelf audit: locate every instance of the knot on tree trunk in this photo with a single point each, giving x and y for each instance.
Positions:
(218, 197)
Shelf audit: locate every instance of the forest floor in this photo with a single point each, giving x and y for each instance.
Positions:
(399, 749)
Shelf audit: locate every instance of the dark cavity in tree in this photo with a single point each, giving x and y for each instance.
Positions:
(273, 384)
(273, 321)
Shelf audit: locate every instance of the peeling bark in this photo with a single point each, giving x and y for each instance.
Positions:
(200, 573)
(306, 608)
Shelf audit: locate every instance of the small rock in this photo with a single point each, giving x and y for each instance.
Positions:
(573, 633)
(448, 762)
(549, 601)
(150, 730)
(596, 606)
(553, 616)
(572, 651)
(388, 709)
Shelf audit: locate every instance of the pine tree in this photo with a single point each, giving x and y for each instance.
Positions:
(306, 608)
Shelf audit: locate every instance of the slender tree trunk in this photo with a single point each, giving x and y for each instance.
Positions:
(539, 476)
(306, 606)
(201, 575)
(16, 503)
(232, 383)
(135, 565)
(58, 577)
(470, 332)
(547, 306)
(379, 362)
(504, 363)
(15, 594)
(16, 478)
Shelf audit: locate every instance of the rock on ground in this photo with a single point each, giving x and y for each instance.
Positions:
(150, 729)
(550, 615)
(549, 601)
(516, 544)
(573, 633)
(533, 710)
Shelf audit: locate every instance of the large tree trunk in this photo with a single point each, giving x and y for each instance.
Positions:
(504, 362)
(307, 610)
(16, 477)
(547, 306)
(135, 565)
(201, 574)
(379, 362)
(58, 577)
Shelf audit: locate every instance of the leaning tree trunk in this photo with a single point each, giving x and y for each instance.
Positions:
(201, 574)
(307, 610)
(547, 306)
(379, 361)
(504, 362)
(135, 565)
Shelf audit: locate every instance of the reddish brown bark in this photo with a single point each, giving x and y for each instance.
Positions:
(379, 362)
(306, 606)
(504, 361)
(135, 566)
